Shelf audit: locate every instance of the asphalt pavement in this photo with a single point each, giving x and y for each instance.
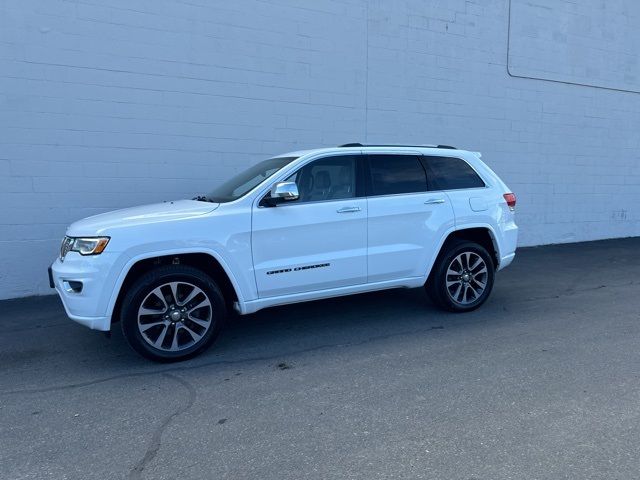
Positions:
(542, 382)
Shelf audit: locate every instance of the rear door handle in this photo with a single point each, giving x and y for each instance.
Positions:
(348, 209)
(434, 201)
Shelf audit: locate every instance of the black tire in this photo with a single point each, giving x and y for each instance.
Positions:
(188, 280)
(445, 297)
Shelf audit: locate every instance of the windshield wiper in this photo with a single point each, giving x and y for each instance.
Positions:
(202, 198)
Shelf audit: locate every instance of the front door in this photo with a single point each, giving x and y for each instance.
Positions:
(318, 241)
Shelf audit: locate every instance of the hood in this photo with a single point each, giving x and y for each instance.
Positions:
(145, 214)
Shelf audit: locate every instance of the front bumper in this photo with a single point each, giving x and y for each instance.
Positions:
(51, 282)
(84, 285)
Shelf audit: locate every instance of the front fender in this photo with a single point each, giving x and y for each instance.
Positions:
(242, 288)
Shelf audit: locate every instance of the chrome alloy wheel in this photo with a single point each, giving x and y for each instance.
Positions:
(175, 316)
(467, 277)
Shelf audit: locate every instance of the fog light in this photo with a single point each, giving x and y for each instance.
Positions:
(72, 286)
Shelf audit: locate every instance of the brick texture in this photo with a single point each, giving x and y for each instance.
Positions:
(112, 103)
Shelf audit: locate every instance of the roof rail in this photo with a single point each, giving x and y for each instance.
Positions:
(356, 144)
(449, 147)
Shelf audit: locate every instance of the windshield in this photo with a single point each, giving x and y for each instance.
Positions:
(245, 181)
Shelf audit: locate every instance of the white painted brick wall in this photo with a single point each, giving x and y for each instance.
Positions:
(111, 103)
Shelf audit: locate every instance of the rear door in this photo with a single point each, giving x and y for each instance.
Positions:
(318, 241)
(406, 221)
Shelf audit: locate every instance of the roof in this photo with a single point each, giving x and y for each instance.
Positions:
(356, 144)
(374, 148)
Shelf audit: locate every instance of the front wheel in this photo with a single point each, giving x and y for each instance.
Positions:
(172, 313)
(462, 278)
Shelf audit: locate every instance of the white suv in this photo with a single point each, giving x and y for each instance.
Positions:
(301, 226)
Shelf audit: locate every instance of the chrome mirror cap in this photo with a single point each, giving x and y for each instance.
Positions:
(285, 191)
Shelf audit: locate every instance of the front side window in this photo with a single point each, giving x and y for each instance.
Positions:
(247, 180)
(394, 174)
(449, 173)
(329, 178)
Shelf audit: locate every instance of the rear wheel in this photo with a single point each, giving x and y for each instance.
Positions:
(462, 278)
(172, 313)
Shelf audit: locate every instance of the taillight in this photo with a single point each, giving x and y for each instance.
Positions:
(511, 200)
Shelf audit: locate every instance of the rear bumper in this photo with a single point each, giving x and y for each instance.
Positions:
(508, 244)
(506, 260)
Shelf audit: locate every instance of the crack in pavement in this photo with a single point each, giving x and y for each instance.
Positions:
(156, 438)
(280, 355)
(36, 327)
(223, 362)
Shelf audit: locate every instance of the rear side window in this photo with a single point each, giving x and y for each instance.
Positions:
(449, 173)
(393, 174)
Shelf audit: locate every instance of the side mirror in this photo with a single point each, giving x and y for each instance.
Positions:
(286, 191)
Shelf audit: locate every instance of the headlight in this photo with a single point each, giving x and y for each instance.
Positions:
(83, 245)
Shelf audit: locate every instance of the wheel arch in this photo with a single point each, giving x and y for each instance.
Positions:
(482, 234)
(204, 261)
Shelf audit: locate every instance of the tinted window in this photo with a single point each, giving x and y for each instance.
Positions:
(392, 174)
(329, 178)
(448, 173)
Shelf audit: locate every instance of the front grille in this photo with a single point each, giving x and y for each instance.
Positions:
(67, 242)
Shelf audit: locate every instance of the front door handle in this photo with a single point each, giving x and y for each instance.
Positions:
(434, 201)
(348, 209)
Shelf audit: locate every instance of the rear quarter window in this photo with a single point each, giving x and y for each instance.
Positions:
(450, 173)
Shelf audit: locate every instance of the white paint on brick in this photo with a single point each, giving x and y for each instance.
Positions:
(112, 103)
